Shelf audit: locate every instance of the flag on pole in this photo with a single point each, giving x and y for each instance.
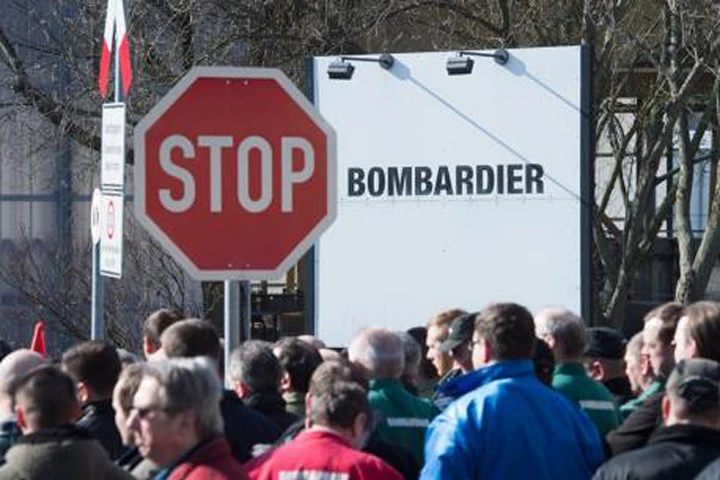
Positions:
(38, 340)
(115, 21)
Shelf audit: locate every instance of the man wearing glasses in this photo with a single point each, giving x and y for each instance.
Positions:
(508, 424)
(177, 423)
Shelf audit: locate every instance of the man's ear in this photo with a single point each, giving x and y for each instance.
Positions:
(308, 404)
(666, 409)
(645, 366)
(148, 348)
(83, 392)
(359, 428)
(285, 383)
(596, 370)
(550, 340)
(20, 418)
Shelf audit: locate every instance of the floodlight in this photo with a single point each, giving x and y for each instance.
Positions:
(341, 69)
(460, 64)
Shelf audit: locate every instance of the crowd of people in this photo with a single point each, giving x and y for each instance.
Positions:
(493, 394)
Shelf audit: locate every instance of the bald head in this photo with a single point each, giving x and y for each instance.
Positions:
(13, 367)
(379, 352)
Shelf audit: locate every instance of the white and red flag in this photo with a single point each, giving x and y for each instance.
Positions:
(115, 20)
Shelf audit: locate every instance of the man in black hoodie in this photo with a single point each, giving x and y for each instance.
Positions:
(95, 367)
(51, 446)
(255, 375)
(690, 439)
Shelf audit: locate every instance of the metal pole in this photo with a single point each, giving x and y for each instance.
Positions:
(97, 329)
(246, 309)
(232, 319)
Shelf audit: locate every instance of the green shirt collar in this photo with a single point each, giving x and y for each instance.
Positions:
(385, 384)
(570, 368)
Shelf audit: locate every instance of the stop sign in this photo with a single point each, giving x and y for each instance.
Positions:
(235, 173)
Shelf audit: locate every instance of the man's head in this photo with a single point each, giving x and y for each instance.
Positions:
(693, 394)
(338, 401)
(379, 352)
(544, 362)
(411, 354)
(13, 367)
(457, 344)
(637, 366)
(45, 398)
(190, 338)
(155, 325)
(604, 355)
(176, 407)
(658, 332)
(95, 367)
(298, 360)
(437, 332)
(503, 331)
(563, 331)
(254, 369)
(312, 340)
(698, 332)
(122, 400)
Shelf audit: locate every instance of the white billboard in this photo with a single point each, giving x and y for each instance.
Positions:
(454, 190)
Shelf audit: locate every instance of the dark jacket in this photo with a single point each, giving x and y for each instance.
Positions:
(711, 472)
(678, 452)
(442, 396)
(9, 435)
(636, 430)
(620, 389)
(66, 453)
(272, 405)
(99, 419)
(245, 427)
(211, 460)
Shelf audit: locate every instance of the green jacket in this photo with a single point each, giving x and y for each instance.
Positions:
(295, 403)
(629, 407)
(594, 398)
(404, 418)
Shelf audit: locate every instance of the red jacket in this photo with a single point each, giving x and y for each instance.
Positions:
(212, 461)
(324, 453)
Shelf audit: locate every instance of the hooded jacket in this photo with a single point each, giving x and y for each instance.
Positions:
(678, 452)
(510, 425)
(66, 453)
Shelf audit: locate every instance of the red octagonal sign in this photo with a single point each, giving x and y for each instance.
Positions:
(235, 173)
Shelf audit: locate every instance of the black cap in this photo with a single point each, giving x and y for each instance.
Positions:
(461, 331)
(697, 381)
(603, 342)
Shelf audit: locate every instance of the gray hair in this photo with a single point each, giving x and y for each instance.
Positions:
(254, 364)
(412, 353)
(566, 327)
(190, 384)
(379, 351)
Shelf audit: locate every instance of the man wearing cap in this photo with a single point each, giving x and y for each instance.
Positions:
(604, 361)
(690, 439)
(458, 346)
(508, 425)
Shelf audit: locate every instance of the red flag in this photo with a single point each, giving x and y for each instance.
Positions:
(38, 340)
(115, 21)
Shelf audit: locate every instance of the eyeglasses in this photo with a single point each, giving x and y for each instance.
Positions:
(144, 412)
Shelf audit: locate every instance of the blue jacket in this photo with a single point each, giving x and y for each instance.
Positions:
(508, 425)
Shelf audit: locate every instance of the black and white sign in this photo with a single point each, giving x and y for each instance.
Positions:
(455, 190)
